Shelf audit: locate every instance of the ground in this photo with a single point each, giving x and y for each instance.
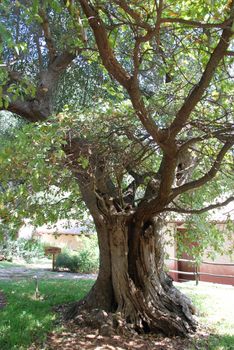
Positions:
(86, 339)
(24, 320)
(42, 270)
(216, 332)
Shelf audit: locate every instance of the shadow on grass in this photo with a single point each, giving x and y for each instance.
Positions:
(24, 319)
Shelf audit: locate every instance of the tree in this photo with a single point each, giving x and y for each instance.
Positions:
(145, 160)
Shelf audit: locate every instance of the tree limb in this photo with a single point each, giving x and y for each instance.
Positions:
(106, 52)
(196, 93)
(229, 53)
(39, 107)
(202, 210)
(197, 24)
(133, 14)
(115, 69)
(208, 176)
(212, 134)
(47, 34)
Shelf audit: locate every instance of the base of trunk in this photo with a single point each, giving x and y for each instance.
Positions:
(132, 290)
(107, 323)
(168, 312)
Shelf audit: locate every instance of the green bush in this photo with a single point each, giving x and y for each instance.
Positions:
(84, 261)
(87, 262)
(67, 261)
(62, 260)
(22, 248)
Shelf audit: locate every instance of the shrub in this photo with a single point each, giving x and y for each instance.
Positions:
(22, 248)
(87, 262)
(62, 260)
(84, 261)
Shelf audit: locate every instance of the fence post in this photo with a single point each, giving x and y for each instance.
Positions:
(196, 273)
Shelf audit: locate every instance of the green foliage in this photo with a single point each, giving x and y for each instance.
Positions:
(22, 248)
(65, 261)
(25, 320)
(88, 256)
(202, 236)
(86, 85)
(35, 181)
(33, 178)
(86, 260)
(34, 175)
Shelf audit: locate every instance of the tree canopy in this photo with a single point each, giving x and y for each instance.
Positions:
(130, 108)
(165, 60)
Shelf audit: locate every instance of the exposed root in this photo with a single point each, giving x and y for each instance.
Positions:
(166, 311)
(144, 318)
(107, 324)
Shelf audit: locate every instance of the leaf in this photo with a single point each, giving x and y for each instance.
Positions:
(83, 161)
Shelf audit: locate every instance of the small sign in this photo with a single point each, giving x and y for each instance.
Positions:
(52, 250)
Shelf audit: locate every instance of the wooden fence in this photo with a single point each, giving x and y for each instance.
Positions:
(196, 272)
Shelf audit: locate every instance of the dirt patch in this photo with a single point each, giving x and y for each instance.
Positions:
(84, 337)
(77, 338)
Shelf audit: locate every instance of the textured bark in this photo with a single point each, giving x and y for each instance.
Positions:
(131, 281)
(101, 295)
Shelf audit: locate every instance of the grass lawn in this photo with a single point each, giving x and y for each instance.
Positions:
(215, 303)
(24, 319)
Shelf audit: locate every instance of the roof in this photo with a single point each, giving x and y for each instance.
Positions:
(62, 227)
(65, 227)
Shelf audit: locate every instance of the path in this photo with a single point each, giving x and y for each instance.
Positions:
(42, 271)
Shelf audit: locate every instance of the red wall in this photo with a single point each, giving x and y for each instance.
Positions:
(206, 268)
(203, 268)
(217, 270)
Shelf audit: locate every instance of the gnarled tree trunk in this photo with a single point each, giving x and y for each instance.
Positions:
(131, 280)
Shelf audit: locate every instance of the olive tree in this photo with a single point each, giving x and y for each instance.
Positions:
(134, 163)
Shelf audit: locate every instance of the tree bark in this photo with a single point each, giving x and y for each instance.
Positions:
(131, 281)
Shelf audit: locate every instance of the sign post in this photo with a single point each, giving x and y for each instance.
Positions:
(52, 251)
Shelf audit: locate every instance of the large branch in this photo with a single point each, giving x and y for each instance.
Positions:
(38, 107)
(230, 53)
(105, 50)
(47, 34)
(116, 70)
(208, 176)
(156, 204)
(223, 134)
(202, 210)
(196, 93)
(196, 24)
(133, 14)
